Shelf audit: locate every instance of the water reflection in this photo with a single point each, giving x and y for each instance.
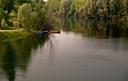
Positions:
(49, 49)
(96, 28)
(15, 55)
(79, 53)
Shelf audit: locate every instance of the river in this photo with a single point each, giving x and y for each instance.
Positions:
(88, 50)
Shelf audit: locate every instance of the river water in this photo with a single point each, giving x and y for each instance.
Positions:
(84, 51)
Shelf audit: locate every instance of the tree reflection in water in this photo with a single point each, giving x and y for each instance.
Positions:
(96, 28)
(16, 55)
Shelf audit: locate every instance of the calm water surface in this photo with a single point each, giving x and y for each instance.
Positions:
(84, 51)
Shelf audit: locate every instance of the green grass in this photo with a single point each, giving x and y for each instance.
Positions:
(12, 34)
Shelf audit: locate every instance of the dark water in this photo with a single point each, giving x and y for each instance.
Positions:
(84, 51)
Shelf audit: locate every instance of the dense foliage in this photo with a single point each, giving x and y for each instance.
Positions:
(52, 7)
(100, 9)
(29, 14)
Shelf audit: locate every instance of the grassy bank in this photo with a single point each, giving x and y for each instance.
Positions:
(12, 34)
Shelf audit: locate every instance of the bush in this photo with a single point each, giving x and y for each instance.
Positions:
(16, 24)
(4, 24)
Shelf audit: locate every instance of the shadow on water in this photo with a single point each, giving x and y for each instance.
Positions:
(15, 56)
(96, 28)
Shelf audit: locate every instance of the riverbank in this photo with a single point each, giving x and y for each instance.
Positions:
(13, 34)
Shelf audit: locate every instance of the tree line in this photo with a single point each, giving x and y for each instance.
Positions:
(33, 14)
(98, 9)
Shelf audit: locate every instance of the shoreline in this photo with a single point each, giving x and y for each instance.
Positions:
(6, 35)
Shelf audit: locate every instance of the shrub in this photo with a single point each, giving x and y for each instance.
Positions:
(16, 24)
(4, 24)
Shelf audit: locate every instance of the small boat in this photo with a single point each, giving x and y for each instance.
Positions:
(45, 32)
(53, 32)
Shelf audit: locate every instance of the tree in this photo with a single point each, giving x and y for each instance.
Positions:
(93, 9)
(24, 15)
(65, 6)
(32, 17)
